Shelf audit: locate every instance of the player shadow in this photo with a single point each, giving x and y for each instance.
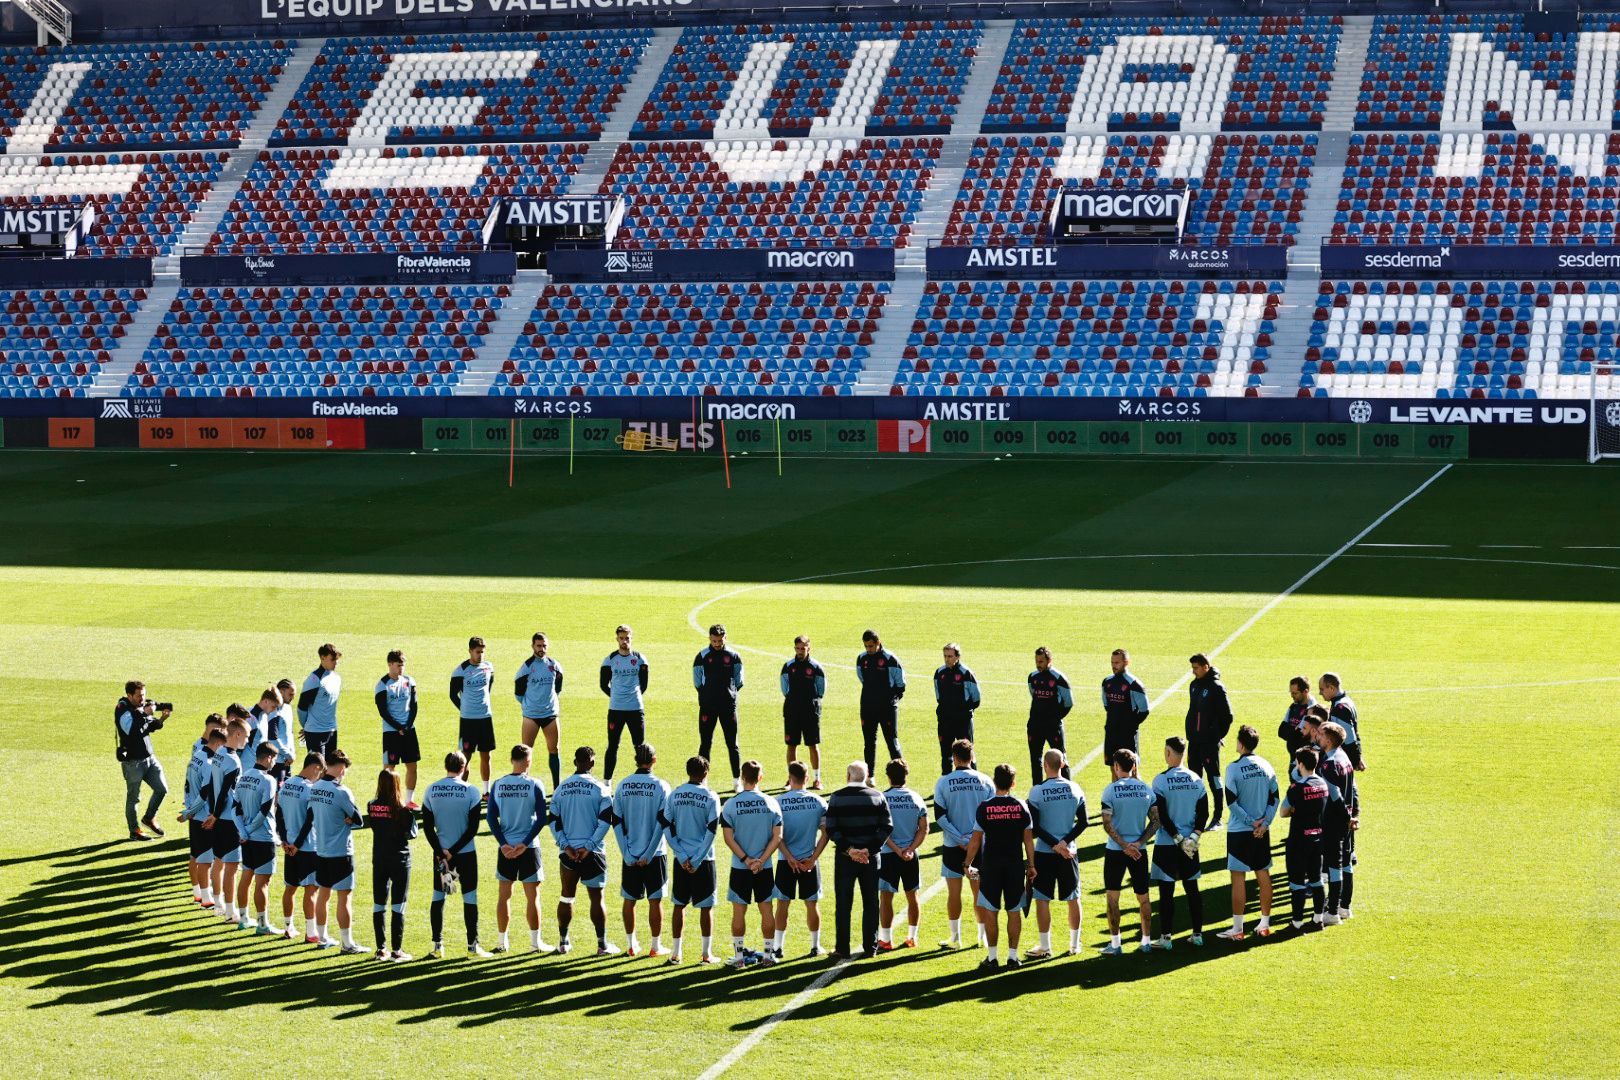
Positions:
(114, 929)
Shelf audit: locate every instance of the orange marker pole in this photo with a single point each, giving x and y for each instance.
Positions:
(511, 452)
(725, 455)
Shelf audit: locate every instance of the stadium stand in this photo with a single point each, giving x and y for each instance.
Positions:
(757, 338)
(380, 198)
(1246, 188)
(1480, 188)
(312, 340)
(513, 87)
(1090, 338)
(811, 78)
(1486, 71)
(771, 193)
(143, 201)
(837, 133)
(1189, 74)
(194, 95)
(55, 340)
(1478, 339)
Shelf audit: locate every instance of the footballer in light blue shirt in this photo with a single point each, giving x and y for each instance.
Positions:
(472, 684)
(450, 819)
(638, 826)
(227, 840)
(395, 695)
(623, 679)
(751, 825)
(798, 869)
(581, 816)
(298, 842)
(1252, 798)
(1130, 818)
(336, 817)
(1183, 805)
(691, 816)
(318, 702)
(957, 798)
(538, 688)
(898, 870)
(517, 813)
(256, 817)
(1057, 807)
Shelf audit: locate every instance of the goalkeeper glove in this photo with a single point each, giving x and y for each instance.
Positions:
(1189, 845)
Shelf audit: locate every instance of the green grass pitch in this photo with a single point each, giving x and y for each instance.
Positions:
(1485, 937)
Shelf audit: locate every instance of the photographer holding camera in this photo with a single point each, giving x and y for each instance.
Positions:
(134, 720)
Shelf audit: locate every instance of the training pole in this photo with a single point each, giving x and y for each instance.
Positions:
(778, 446)
(570, 446)
(511, 452)
(725, 454)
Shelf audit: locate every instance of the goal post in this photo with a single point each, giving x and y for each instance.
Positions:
(1603, 412)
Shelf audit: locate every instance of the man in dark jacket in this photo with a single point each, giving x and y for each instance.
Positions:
(857, 823)
(1209, 718)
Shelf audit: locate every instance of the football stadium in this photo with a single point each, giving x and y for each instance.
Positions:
(773, 538)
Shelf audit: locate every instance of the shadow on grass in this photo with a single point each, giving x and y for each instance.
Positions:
(114, 927)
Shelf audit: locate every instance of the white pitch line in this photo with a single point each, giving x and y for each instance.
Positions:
(822, 981)
(1510, 547)
(1407, 545)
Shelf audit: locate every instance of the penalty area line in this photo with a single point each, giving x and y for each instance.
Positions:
(825, 979)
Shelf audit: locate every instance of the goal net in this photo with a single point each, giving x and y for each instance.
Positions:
(1604, 412)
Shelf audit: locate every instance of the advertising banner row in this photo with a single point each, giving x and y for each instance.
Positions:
(971, 437)
(1556, 262)
(1093, 259)
(370, 268)
(1558, 415)
(292, 18)
(714, 264)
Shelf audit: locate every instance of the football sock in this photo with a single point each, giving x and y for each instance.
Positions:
(815, 939)
(635, 946)
(956, 931)
(1046, 940)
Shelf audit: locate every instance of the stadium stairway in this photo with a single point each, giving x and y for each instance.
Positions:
(114, 374)
(981, 81)
(617, 128)
(254, 139)
(899, 312)
(1293, 331)
(1316, 217)
(1354, 37)
(935, 210)
(514, 311)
